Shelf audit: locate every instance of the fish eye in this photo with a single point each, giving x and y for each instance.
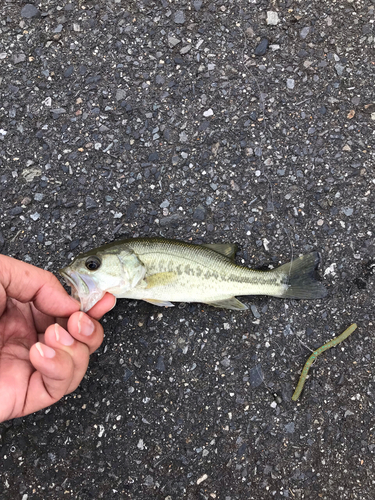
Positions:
(93, 263)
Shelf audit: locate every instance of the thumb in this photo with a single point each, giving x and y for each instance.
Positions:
(28, 283)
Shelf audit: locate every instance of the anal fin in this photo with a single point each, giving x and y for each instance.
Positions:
(160, 303)
(231, 303)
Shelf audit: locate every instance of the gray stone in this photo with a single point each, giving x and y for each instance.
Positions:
(185, 49)
(29, 10)
(69, 71)
(256, 376)
(58, 28)
(288, 330)
(262, 47)
(272, 18)
(255, 311)
(339, 69)
(347, 211)
(199, 213)
(183, 136)
(90, 203)
(304, 32)
(225, 362)
(160, 365)
(15, 211)
(165, 204)
(173, 41)
(170, 221)
(120, 94)
(289, 428)
(58, 111)
(179, 17)
(18, 58)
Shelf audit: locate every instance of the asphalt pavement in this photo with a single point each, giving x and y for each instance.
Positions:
(249, 122)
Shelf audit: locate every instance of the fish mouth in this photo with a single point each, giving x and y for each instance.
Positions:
(75, 283)
(84, 289)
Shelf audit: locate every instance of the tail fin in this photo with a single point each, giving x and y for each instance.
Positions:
(299, 276)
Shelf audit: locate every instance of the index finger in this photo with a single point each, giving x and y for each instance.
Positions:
(28, 283)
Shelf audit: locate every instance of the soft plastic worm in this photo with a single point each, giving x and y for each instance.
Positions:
(315, 354)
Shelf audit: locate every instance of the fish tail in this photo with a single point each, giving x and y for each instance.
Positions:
(298, 278)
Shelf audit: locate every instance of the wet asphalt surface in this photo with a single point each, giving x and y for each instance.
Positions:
(207, 122)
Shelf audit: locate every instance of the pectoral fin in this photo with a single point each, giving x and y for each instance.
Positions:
(226, 249)
(161, 303)
(160, 279)
(231, 303)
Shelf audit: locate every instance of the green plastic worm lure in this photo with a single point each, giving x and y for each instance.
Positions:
(315, 354)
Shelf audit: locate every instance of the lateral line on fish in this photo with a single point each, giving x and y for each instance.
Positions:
(226, 259)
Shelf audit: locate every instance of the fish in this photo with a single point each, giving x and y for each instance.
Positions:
(162, 271)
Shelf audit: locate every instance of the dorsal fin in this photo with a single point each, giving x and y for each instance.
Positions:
(227, 249)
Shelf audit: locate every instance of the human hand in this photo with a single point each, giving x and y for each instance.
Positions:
(45, 341)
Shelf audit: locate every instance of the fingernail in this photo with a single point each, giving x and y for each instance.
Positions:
(45, 351)
(114, 305)
(85, 325)
(63, 336)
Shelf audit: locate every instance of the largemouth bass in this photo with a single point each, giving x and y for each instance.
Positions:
(162, 271)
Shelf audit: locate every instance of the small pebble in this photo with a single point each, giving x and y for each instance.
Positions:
(304, 32)
(141, 444)
(208, 113)
(29, 10)
(339, 69)
(255, 311)
(160, 366)
(199, 213)
(202, 478)
(173, 41)
(185, 49)
(256, 376)
(262, 47)
(290, 83)
(347, 211)
(289, 428)
(179, 17)
(225, 362)
(90, 203)
(272, 18)
(18, 58)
